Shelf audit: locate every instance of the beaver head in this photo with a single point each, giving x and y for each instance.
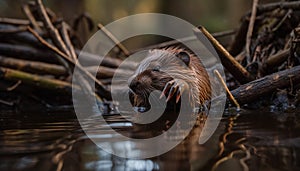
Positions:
(155, 71)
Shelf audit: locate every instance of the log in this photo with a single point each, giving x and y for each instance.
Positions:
(28, 39)
(258, 88)
(20, 37)
(37, 81)
(33, 66)
(33, 54)
(53, 69)
(26, 52)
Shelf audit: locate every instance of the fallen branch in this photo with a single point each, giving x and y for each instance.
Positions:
(29, 53)
(35, 80)
(53, 69)
(114, 40)
(33, 67)
(21, 37)
(235, 68)
(255, 89)
(43, 55)
(103, 91)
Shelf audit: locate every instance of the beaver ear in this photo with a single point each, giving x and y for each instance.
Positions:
(185, 57)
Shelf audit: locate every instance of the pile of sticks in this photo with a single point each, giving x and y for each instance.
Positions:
(41, 52)
(267, 46)
(264, 56)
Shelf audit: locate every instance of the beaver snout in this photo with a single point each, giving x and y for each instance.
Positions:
(134, 84)
(138, 84)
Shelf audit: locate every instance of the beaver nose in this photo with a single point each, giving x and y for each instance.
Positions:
(134, 84)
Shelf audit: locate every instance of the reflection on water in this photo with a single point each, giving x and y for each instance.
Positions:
(260, 141)
(253, 140)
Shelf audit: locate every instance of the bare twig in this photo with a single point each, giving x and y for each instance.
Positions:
(14, 21)
(31, 18)
(287, 15)
(231, 98)
(235, 68)
(69, 60)
(13, 87)
(15, 30)
(114, 39)
(83, 82)
(53, 32)
(7, 103)
(55, 49)
(182, 40)
(239, 41)
(66, 54)
(250, 31)
(65, 35)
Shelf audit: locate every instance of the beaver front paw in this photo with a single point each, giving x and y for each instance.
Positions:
(173, 87)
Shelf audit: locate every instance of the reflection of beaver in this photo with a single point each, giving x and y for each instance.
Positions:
(172, 71)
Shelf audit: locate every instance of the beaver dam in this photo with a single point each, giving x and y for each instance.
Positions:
(41, 73)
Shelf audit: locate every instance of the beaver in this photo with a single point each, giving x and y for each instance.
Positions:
(173, 71)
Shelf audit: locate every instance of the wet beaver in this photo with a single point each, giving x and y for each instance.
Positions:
(173, 71)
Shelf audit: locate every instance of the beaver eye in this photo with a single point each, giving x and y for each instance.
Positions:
(156, 69)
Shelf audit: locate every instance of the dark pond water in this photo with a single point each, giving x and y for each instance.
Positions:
(249, 140)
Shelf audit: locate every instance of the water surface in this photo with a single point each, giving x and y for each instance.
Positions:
(250, 140)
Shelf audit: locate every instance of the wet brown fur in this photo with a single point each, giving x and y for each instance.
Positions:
(148, 80)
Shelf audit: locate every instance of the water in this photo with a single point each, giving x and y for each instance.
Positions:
(250, 140)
